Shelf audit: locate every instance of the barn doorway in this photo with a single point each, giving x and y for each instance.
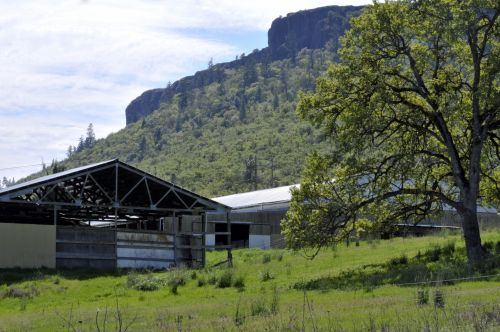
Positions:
(240, 234)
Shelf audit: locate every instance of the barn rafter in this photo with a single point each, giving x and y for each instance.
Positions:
(109, 184)
(109, 215)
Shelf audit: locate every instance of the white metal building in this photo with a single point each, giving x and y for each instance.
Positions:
(268, 207)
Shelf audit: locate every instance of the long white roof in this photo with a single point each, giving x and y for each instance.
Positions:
(284, 195)
(259, 197)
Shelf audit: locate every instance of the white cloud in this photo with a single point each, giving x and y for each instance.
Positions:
(64, 64)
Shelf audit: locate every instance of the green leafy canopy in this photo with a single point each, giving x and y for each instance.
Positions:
(413, 109)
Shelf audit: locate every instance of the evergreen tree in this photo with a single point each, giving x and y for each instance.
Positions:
(157, 136)
(249, 73)
(143, 145)
(81, 144)
(5, 182)
(90, 139)
(70, 151)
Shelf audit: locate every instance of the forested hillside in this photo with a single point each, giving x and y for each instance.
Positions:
(235, 132)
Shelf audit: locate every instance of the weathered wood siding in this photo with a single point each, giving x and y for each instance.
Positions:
(78, 247)
(189, 251)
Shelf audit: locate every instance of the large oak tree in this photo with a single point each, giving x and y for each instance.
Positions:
(413, 112)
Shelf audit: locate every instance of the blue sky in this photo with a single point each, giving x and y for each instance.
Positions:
(64, 64)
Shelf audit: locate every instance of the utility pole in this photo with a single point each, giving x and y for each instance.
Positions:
(255, 175)
(271, 184)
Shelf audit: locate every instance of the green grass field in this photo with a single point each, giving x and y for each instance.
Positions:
(349, 288)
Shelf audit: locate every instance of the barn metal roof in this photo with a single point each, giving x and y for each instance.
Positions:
(108, 184)
(55, 176)
(280, 196)
(258, 198)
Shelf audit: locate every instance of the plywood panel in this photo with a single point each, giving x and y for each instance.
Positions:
(27, 246)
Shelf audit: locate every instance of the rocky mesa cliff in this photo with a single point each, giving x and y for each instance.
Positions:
(304, 29)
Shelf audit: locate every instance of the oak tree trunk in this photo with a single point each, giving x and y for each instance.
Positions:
(475, 251)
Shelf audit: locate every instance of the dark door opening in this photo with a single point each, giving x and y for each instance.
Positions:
(220, 239)
(240, 234)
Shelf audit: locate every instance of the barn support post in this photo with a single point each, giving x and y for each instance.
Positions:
(86, 201)
(229, 240)
(116, 235)
(203, 238)
(55, 215)
(174, 221)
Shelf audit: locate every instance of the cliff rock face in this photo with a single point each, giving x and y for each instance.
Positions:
(288, 35)
(143, 105)
(308, 29)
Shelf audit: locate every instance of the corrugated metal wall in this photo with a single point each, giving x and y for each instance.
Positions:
(100, 248)
(140, 249)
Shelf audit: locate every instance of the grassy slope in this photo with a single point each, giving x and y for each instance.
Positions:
(210, 308)
(206, 143)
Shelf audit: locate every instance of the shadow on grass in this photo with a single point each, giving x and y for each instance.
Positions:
(435, 264)
(12, 276)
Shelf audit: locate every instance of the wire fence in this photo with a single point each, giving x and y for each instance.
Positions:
(443, 281)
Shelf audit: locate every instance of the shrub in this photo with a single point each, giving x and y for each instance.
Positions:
(225, 279)
(212, 279)
(15, 293)
(266, 276)
(422, 296)
(414, 272)
(177, 278)
(173, 288)
(433, 254)
(448, 249)
(201, 281)
(239, 282)
(23, 304)
(279, 257)
(266, 258)
(239, 318)
(438, 298)
(145, 283)
(275, 301)
(258, 308)
(488, 245)
(401, 260)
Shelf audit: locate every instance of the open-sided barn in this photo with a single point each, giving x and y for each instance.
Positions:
(106, 215)
(264, 210)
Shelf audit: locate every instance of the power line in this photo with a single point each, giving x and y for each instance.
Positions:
(22, 166)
